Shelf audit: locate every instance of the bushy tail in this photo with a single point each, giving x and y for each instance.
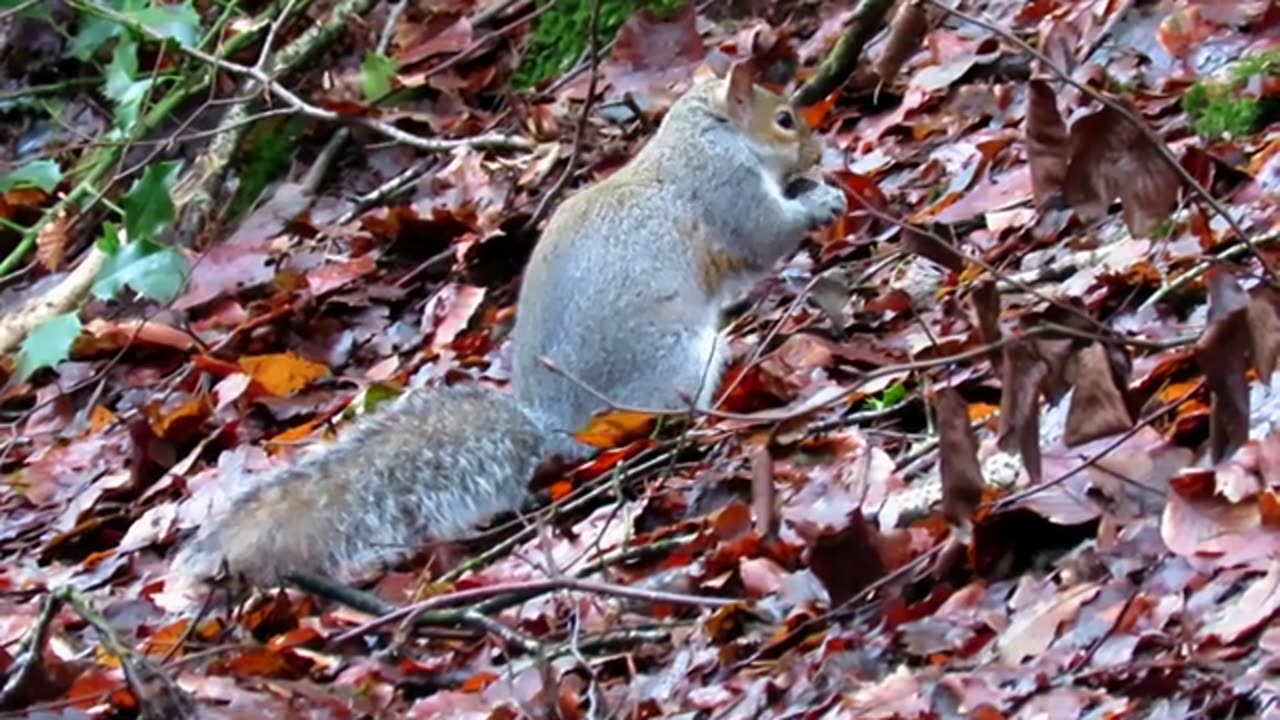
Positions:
(432, 465)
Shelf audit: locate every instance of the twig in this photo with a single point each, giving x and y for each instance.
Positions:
(28, 666)
(408, 613)
(1124, 112)
(581, 130)
(839, 63)
(62, 298)
(1238, 248)
(484, 141)
(1013, 499)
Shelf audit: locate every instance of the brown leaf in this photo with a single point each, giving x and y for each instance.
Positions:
(650, 52)
(986, 308)
(1253, 608)
(1024, 372)
(1223, 354)
(1110, 158)
(932, 247)
(51, 243)
(1047, 144)
(848, 560)
(764, 500)
(905, 35)
(1097, 407)
(1264, 335)
(1054, 353)
(962, 481)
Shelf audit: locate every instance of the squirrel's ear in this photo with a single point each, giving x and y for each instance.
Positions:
(739, 91)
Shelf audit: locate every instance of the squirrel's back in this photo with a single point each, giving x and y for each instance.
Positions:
(432, 464)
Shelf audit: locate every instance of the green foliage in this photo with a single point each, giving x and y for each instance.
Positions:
(48, 344)
(150, 269)
(148, 207)
(561, 35)
(269, 147)
(892, 395)
(43, 174)
(1219, 109)
(376, 73)
(1267, 63)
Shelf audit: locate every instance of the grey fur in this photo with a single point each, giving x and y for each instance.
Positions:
(624, 291)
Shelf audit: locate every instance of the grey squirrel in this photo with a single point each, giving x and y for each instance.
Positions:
(624, 292)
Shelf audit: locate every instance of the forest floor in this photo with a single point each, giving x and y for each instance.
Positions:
(999, 444)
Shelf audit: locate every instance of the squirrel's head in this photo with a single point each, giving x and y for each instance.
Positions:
(769, 122)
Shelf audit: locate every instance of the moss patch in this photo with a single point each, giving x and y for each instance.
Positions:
(561, 36)
(1222, 108)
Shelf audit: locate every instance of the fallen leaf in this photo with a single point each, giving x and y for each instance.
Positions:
(962, 481)
(1097, 406)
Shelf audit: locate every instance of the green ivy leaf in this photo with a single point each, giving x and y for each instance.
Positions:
(48, 344)
(148, 207)
(150, 269)
(376, 73)
(43, 174)
(180, 23)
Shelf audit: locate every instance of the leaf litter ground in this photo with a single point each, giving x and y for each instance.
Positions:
(1001, 444)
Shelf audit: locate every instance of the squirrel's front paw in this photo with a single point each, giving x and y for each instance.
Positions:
(824, 203)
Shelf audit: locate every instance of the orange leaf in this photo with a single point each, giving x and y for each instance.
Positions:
(478, 682)
(615, 428)
(282, 374)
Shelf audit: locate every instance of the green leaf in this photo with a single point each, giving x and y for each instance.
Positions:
(122, 70)
(92, 34)
(150, 269)
(48, 344)
(44, 174)
(148, 207)
(180, 23)
(376, 73)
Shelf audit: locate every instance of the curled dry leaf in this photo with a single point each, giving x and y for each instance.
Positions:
(1110, 158)
(905, 35)
(1264, 335)
(51, 242)
(986, 310)
(1019, 430)
(1047, 144)
(1223, 353)
(962, 481)
(1097, 407)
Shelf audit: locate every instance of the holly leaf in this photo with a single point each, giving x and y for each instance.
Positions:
(150, 269)
(148, 207)
(43, 174)
(48, 344)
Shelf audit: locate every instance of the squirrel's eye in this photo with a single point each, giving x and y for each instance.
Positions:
(785, 120)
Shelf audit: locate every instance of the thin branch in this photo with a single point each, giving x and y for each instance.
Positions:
(581, 130)
(484, 141)
(839, 63)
